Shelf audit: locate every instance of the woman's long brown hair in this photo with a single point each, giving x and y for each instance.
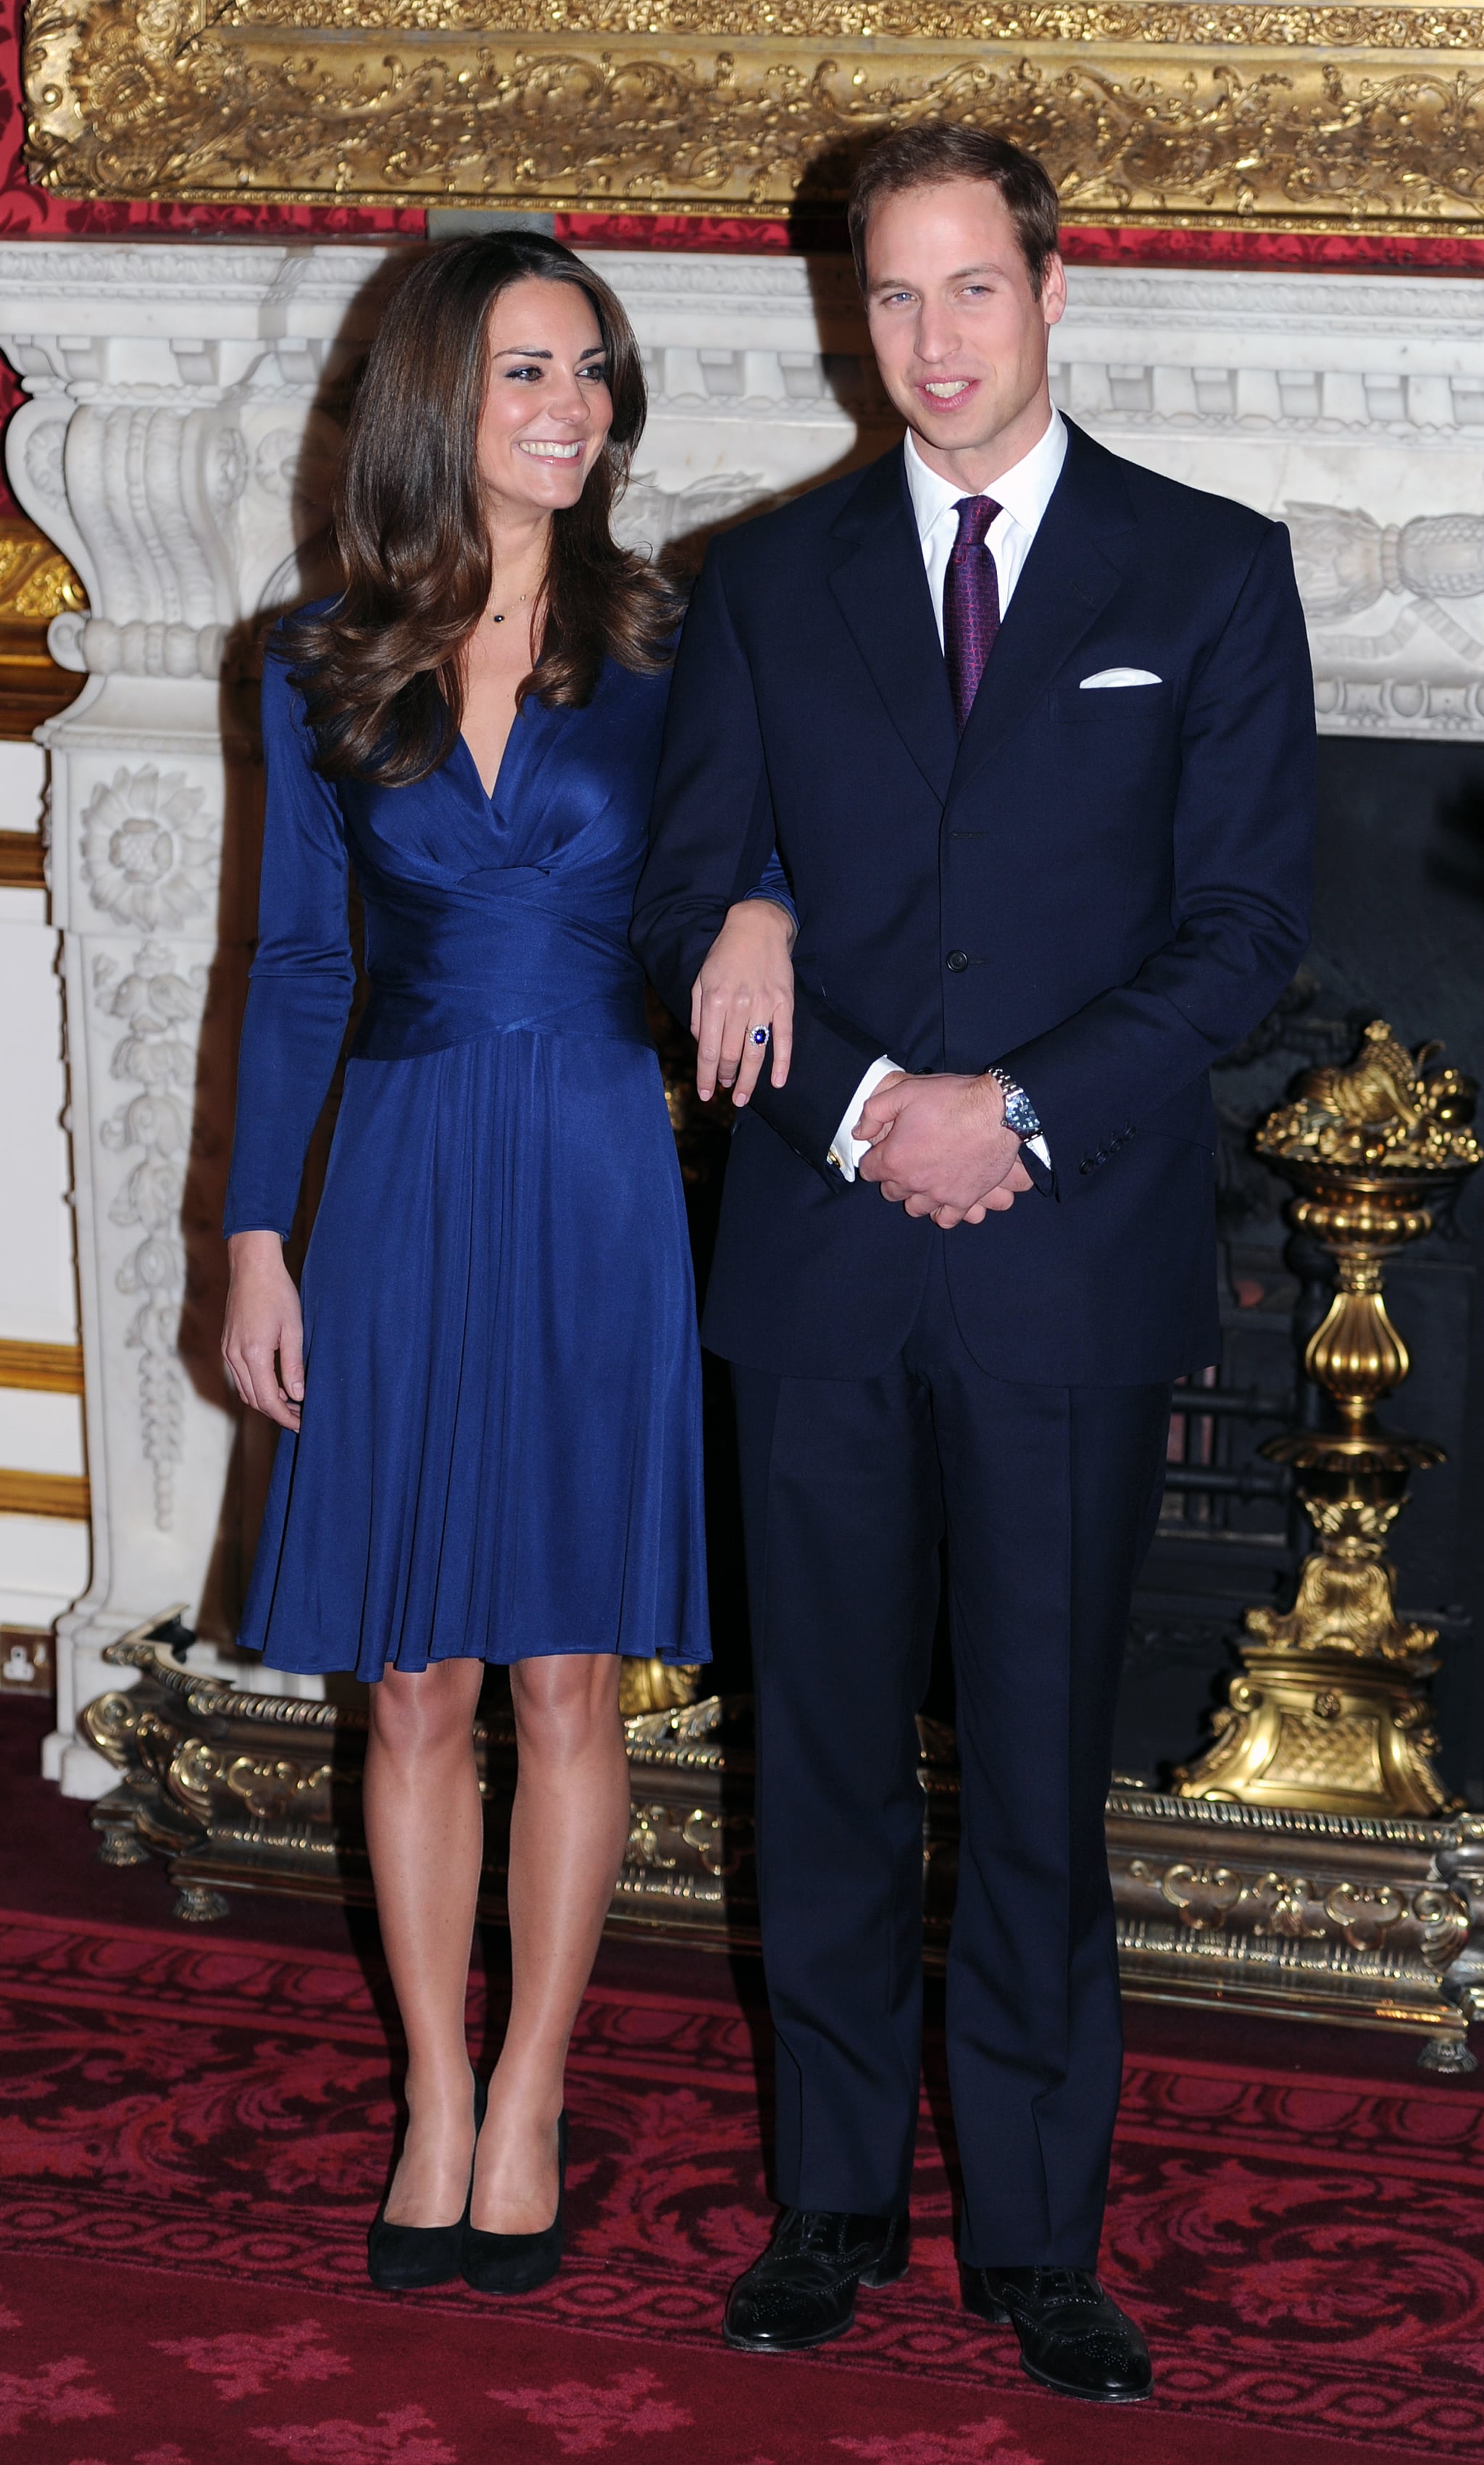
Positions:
(380, 668)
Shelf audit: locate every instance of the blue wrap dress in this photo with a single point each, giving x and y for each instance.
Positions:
(500, 1446)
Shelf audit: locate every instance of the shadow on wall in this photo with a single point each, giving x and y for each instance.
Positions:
(815, 236)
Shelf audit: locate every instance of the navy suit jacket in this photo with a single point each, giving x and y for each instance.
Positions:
(1102, 891)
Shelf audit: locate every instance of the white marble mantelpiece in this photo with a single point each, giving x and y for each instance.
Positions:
(177, 442)
(171, 413)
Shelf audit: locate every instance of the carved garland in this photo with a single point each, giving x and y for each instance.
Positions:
(1270, 117)
(151, 861)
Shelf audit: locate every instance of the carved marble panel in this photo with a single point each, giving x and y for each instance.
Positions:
(1351, 409)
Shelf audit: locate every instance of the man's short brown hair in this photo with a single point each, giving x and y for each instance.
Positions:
(937, 151)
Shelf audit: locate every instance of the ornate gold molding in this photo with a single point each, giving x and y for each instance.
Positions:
(1329, 1709)
(45, 1369)
(1267, 118)
(37, 582)
(22, 859)
(1358, 1918)
(62, 1495)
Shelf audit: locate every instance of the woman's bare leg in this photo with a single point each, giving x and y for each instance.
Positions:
(425, 1830)
(567, 1831)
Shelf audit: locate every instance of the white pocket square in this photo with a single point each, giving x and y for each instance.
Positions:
(1120, 677)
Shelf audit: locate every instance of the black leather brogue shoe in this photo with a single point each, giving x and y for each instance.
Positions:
(802, 2292)
(1072, 2337)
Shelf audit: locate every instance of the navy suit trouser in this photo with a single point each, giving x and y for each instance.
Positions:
(1046, 1498)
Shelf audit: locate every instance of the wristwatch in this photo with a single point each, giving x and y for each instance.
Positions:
(1020, 1113)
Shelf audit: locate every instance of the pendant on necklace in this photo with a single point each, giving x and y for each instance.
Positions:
(495, 620)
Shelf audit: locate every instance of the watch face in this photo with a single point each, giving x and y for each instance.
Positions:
(1022, 1117)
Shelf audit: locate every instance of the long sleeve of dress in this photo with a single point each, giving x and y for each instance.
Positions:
(773, 884)
(302, 978)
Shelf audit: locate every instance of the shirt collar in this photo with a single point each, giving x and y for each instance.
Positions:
(1024, 491)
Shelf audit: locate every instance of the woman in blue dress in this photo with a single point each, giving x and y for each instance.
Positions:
(489, 1389)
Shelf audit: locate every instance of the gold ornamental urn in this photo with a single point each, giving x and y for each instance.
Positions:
(1328, 1711)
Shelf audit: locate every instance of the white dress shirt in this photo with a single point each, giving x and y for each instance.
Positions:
(1022, 494)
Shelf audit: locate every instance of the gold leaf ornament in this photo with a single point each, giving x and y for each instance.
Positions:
(1294, 118)
(1387, 1110)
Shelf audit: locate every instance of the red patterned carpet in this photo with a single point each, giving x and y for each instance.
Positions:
(192, 2137)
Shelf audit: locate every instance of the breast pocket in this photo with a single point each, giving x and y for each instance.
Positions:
(1110, 706)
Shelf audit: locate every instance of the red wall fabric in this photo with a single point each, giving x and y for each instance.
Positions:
(1276, 252)
(1279, 251)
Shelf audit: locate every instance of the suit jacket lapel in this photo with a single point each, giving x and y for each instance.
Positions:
(880, 586)
(1074, 567)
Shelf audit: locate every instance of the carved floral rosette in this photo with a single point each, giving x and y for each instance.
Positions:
(1267, 117)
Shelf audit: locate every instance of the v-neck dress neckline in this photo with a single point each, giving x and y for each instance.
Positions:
(491, 793)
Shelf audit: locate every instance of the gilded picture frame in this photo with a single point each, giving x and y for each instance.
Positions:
(1177, 112)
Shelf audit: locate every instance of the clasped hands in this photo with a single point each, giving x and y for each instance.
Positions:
(939, 1143)
(941, 1146)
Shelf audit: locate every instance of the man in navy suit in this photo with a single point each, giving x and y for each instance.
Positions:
(1032, 730)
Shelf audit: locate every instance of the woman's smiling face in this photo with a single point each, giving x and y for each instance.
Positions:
(547, 409)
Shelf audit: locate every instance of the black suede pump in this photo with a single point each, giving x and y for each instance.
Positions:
(496, 2263)
(401, 2259)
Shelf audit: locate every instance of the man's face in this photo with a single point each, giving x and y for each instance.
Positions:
(960, 338)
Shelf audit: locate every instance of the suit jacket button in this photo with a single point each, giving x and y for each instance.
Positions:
(958, 961)
(1086, 1165)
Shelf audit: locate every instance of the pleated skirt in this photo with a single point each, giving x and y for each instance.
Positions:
(500, 1450)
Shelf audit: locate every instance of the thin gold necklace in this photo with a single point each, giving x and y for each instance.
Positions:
(500, 618)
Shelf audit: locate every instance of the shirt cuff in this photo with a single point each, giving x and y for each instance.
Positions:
(846, 1151)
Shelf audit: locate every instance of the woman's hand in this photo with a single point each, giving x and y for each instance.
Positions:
(264, 1337)
(745, 983)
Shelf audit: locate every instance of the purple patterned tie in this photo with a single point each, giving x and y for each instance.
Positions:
(972, 603)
